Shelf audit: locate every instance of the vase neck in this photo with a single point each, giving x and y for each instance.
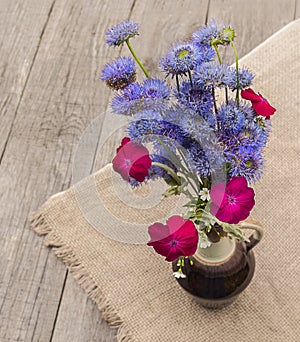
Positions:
(217, 253)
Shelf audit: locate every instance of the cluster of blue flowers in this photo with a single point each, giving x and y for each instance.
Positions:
(226, 134)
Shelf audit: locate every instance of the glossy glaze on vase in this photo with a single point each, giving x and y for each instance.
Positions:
(215, 285)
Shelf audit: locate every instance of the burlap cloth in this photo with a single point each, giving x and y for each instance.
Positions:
(134, 287)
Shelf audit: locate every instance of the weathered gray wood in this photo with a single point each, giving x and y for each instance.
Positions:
(297, 9)
(61, 96)
(254, 20)
(50, 64)
(20, 37)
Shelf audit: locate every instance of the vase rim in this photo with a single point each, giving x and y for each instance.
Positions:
(218, 253)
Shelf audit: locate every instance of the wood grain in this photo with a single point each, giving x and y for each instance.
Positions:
(254, 20)
(51, 57)
(19, 41)
(62, 94)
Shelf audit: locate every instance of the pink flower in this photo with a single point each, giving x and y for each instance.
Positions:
(178, 238)
(132, 160)
(232, 203)
(259, 103)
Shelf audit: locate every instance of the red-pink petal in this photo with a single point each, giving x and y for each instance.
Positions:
(217, 193)
(175, 223)
(124, 141)
(173, 254)
(249, 94)
(236, 185)
(238, 213)
(183, 242)
(158, 231)
(223, 214)
(120, 167)
(263, 108)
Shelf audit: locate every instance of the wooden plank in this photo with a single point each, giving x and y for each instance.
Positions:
(254, 20)
(61, 96)
(19, 40)
(297, 9)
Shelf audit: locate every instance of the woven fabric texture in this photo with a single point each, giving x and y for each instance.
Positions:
(134, 287)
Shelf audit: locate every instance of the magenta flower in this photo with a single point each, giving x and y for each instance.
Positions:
(132, 160)
(178, 238)
(232, 203)
(259, 103)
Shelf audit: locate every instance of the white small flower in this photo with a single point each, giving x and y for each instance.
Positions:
(203, 240)
(204, 194)
(208, 222)
(179, 275)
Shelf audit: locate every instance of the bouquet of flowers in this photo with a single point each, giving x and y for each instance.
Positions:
(199, 126)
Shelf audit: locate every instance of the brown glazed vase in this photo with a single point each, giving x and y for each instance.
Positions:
(219, 273)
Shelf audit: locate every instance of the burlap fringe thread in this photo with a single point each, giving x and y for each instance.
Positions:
(80, 273)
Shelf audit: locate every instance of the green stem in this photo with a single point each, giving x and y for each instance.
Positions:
(187, 176)
(171, 172)
(237, 72)
(136, 58)
(218, 53)
(171, 154)
(220, 61)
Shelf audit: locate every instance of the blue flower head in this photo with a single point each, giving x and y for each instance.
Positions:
(198, 98)
(129, 100)
(245, 79)
(155, 88)
(231, 119)
(118, 34)
(247, 161)
(153, 94)
(214, 34)
(120, 73)
(212, 75)
(183, 58)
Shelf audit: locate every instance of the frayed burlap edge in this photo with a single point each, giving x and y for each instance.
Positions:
(64, 252)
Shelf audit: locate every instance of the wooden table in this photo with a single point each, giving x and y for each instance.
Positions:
(52, 53)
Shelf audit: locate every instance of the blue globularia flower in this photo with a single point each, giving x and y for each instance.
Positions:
(183, 58)
(213, 33)
(245, 79)
(118, 34)
(152, 94)
(246, 161)
(212, 75)
(231, 119)
(128, 101)
(120, 73)
(197, 98)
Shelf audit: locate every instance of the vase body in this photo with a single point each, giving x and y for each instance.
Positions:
(218, 274)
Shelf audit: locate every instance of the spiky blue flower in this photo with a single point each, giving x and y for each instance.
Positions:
(183, 58)
(211, 75)
(152, 94)
(155, 89)
(231, 118)
(129, 100)
(246, 161)
(214, 33)
(118, 34)
(197, 98)
(120, 73)
(245, 79)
